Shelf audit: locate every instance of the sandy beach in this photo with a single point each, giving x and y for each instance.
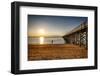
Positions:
(54, 52)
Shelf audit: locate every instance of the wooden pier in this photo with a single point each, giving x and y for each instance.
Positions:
(78, 35)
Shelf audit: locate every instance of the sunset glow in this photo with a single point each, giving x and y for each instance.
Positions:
(40, 25)
(41, 31)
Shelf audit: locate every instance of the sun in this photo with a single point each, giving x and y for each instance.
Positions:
(41, 31)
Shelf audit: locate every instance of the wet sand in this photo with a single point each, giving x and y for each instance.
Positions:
(54, 52)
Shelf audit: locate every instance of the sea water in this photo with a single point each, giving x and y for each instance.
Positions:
(46, 40)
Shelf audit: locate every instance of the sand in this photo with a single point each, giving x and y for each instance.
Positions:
(54, 52)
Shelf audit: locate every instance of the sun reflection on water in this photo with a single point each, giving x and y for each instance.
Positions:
(41, 40)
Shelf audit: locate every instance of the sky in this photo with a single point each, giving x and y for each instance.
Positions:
(43, 25)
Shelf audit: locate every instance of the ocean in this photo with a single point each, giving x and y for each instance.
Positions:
(46, 40)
